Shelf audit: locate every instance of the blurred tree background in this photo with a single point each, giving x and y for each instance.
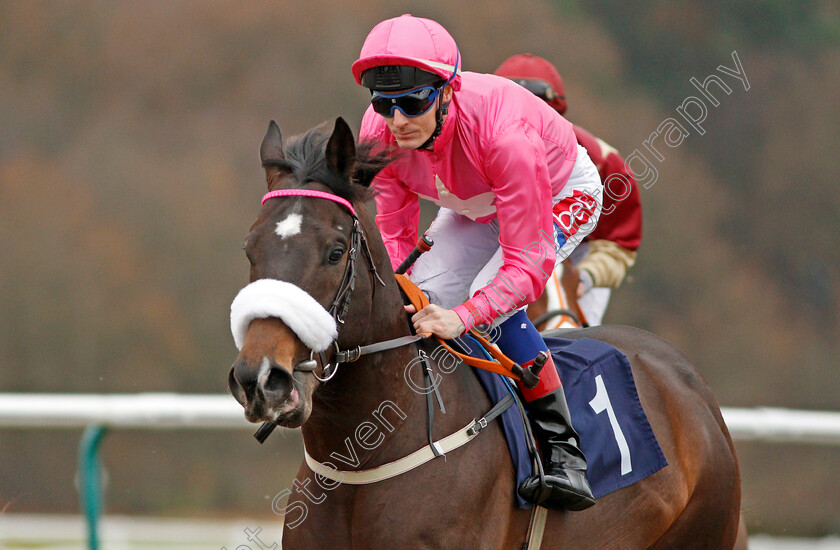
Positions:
(129, 177)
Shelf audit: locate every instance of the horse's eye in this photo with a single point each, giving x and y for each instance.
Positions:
(336, 255)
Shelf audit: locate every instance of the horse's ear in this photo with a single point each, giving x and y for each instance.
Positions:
(271, 150)
(341, 150)
(272, 144)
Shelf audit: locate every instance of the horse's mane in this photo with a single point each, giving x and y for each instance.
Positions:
(305, 156)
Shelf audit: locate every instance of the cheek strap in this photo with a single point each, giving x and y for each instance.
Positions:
(265, 298)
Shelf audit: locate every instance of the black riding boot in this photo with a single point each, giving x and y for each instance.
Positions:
(563, 461)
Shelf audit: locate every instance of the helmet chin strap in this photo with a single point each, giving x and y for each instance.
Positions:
(441, 112)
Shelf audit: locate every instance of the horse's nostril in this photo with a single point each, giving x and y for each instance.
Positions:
(236, 388)
(279, 380)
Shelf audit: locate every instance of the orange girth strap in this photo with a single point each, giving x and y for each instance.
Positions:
(505, 366)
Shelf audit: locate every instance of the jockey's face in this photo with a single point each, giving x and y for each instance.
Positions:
(412, 132)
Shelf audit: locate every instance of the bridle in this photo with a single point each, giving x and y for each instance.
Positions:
(341, 302)
(338, 310)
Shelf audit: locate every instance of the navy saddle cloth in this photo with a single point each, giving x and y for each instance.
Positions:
(615, 435)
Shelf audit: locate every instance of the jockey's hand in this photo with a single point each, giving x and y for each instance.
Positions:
(585, 284)
(443, 323)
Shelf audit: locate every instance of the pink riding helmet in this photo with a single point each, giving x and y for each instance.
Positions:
(410, 41)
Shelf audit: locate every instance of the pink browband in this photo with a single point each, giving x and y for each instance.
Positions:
(308, 193)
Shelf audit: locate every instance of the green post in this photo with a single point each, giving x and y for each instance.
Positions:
(90, 481)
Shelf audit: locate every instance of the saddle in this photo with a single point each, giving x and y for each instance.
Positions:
(614, 432)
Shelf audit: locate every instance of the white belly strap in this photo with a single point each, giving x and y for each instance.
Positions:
(415, 459)
(397, 467)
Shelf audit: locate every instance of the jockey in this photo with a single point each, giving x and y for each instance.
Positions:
(609, 251)
(496, 160)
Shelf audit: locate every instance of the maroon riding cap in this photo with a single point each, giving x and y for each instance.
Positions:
(527, 66)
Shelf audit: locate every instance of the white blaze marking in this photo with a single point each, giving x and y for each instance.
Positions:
(265, 370)
(289, 227)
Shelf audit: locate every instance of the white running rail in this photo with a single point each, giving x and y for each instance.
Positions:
(170, 410)
(139, 410)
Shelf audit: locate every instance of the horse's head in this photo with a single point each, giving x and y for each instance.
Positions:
(308, 257)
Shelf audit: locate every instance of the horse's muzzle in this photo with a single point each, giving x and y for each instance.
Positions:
(266, 392)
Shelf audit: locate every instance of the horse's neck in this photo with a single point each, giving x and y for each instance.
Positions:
(370, 407)
(372, 415)
(369, 399)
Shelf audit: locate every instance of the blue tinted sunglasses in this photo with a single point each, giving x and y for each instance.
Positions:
(412, 103)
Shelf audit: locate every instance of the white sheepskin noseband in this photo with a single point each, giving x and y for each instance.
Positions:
(294, 306)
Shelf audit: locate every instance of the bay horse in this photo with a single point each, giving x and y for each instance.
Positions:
(325, 249)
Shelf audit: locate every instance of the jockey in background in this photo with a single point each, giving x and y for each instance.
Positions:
(609, 251)
(504, 167)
